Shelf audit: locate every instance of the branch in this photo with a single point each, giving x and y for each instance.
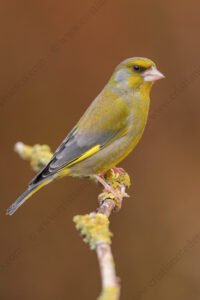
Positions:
(94, 227)
(110, 282)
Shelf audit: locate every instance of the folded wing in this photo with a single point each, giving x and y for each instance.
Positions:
(104, 121)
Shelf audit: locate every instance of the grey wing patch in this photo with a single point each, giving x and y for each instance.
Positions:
(66, 155)
(68, 137)
(73, 146)
(44, 172)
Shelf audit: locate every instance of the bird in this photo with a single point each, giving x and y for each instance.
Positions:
(107, 132)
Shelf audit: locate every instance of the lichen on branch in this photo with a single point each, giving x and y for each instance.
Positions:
(39, 155)
(94, 228)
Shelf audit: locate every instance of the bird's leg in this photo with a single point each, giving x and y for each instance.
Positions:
(102, 174)
(118, 170)
(108, 187)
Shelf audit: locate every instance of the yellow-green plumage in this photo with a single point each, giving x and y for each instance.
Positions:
(109, 129)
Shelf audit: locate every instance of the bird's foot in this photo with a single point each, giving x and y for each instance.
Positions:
(113, 195)
(118, 170)
(108, 188)
(102, 174)
(114, 182)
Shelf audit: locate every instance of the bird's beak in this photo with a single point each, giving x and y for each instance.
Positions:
(152, 74)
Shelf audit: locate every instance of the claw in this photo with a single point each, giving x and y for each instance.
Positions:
(108, 188)
(118, 170)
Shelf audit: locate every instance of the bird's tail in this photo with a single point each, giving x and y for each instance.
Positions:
(28, 193)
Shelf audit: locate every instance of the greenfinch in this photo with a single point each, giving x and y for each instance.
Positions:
(107, 132)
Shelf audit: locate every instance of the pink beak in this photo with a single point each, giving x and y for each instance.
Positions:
(152, 74)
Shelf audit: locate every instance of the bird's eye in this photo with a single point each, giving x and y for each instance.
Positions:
(138, 69)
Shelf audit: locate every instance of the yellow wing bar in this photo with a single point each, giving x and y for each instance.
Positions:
(66, 169)
(88, 153)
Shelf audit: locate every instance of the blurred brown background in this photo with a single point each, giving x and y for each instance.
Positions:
(55, 58)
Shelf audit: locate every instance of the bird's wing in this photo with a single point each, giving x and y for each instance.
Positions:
(105, 120)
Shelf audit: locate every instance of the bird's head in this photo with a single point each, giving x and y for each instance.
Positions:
(136, 73)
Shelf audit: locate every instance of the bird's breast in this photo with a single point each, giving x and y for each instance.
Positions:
(139, 109)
